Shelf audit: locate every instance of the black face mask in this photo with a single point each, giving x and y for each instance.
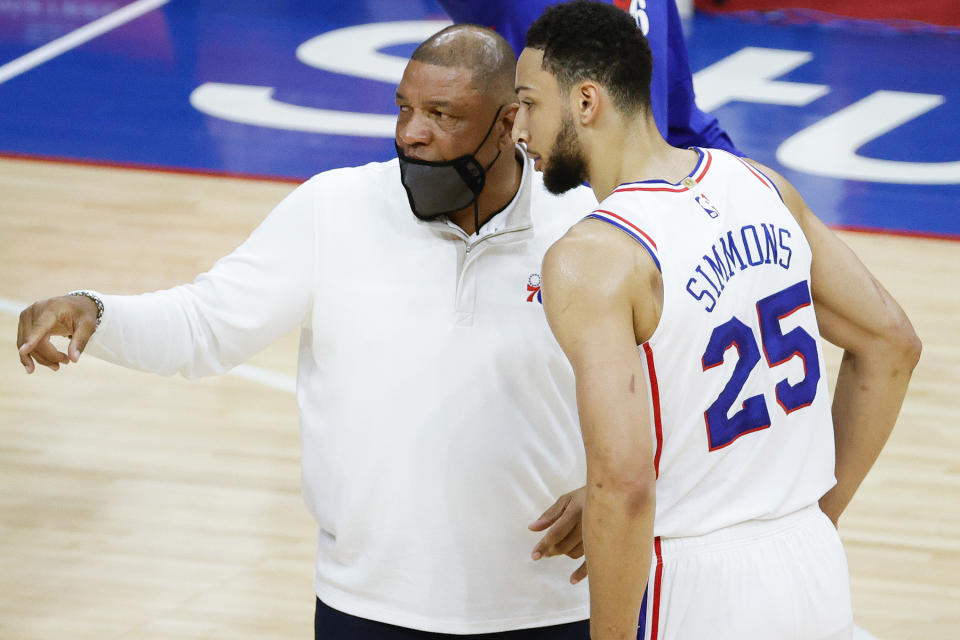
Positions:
(440, 188)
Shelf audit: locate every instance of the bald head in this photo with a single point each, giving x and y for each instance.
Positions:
(485, 53)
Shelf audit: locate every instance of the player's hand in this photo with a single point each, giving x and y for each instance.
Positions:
(564, 536)
(72, 316)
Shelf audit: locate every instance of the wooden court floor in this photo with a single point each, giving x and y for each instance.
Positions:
(136, 506)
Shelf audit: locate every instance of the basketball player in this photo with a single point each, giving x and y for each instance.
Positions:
(691, 304)
(672, 100)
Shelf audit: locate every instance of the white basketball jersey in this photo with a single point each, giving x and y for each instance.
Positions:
(740, 410)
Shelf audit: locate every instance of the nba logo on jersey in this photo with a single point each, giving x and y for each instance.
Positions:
(707, 206)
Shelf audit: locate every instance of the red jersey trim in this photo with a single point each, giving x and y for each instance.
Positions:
(756, 174)
(671, 189)
(698, 173)
(655, 398)
(657, 580)
(706, 166)
(628, 223)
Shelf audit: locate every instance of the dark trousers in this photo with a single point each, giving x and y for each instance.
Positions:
(330, 624)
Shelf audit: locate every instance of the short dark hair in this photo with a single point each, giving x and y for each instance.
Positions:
(484, 52)
(595, 41)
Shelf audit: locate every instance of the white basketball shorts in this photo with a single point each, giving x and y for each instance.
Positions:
(782, 579)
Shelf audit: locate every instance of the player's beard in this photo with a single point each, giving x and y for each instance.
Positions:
(567, 168)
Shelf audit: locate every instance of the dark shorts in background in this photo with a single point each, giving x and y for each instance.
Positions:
(330, 624)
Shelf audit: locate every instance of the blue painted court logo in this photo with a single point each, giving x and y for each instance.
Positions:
(533, 287)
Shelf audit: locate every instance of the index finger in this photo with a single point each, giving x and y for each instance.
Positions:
(34, 329)
(560, 530)
(25, 358)
(26, 361)
(553, 512)
(579, 574)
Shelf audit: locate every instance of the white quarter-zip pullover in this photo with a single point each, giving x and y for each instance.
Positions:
(437, 413)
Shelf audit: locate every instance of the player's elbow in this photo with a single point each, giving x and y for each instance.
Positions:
(632, 486)
(912, 348)
(888, 341)
(640, 498)
(903, 344)
(636, 497)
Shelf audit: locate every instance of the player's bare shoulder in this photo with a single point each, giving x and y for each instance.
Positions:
(595, 266)
(589, 256)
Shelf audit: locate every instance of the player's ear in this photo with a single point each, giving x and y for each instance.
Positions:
(587, 97)
(508, 117)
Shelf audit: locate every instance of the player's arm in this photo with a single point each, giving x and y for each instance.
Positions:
(590, 281)
(880, 350)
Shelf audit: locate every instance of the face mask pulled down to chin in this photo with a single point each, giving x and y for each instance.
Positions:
(440, 188)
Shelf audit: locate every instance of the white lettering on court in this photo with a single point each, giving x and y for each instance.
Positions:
(748, 76)
(829, 147)
(353, 51)
(248, 104)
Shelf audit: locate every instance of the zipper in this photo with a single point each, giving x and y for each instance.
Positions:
(470, 246)
(465, 306)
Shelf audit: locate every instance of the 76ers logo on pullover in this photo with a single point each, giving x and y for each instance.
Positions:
(533, 287)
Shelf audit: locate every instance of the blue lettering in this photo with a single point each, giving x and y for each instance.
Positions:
(770, 242)
(785, 247)
(731, 252)
(726, 260)
(703, 293)
(707, 278)
(756, 242)
(717, 267)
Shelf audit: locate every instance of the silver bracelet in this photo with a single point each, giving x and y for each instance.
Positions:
(96, 300)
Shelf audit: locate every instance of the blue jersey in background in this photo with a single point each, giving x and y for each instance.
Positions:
(679, 120)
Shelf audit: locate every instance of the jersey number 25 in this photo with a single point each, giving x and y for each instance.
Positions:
(778, 347)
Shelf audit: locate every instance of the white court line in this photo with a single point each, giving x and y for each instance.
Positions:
(249, 372)
(11, 307)
(78, 37)
(265, 377)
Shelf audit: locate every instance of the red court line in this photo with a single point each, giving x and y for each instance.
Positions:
(943, 12)
(881, 231)
(133, 166)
